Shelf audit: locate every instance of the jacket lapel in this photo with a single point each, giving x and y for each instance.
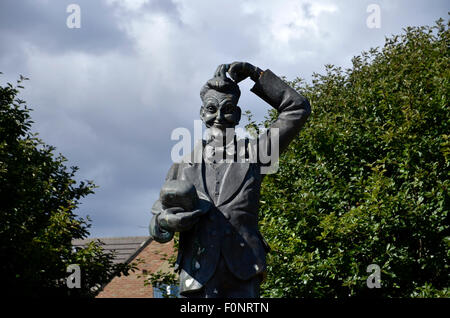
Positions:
(232, 181)
(194, 172)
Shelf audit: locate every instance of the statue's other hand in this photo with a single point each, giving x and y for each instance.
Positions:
(221, 70)
(178, 220)
(239, 71)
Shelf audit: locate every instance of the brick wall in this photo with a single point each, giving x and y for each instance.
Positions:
(131, 285)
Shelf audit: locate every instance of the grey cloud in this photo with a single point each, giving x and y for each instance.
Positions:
(43, 24)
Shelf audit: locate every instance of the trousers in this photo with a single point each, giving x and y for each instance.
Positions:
(223, 284)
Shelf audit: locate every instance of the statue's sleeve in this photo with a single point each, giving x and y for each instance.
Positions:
(156, 231)
(293, 108)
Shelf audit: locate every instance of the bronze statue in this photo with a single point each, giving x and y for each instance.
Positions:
(221, 251)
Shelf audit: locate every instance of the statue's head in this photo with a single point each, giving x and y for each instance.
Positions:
(220, 96)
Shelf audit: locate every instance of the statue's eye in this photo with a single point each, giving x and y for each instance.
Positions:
(211, 109)
(228, 108)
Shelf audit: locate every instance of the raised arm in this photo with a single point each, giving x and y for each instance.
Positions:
(294, 109)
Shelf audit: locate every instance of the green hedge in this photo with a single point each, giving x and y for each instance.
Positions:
(367, 179)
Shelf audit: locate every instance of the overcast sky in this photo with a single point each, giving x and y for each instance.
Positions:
(107, 95)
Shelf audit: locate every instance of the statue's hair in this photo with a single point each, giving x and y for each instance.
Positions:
(223, 85)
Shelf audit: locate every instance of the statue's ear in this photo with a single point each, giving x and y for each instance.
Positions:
(202, 112)
(238, 114)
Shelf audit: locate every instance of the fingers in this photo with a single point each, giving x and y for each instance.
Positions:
(167, 219)
(234, 64)
(186, 221)
(221, 70)
(174, 210)
(198, 213)
(234, 68)
(190, 215)
(180, 221)
(217, 72)
(239, 71)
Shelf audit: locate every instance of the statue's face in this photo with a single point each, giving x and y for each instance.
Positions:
(220, 111)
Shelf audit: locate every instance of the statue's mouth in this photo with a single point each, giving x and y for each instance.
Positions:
(220, 125)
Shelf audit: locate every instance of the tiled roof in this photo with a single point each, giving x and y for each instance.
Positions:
(126, 247)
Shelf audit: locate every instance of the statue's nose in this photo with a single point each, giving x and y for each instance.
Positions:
(220, 114)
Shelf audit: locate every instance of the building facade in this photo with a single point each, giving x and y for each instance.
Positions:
(129, 249)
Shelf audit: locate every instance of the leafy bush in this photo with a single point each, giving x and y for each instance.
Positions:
(367, 179)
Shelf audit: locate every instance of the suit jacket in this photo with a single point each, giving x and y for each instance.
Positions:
(230, 227)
